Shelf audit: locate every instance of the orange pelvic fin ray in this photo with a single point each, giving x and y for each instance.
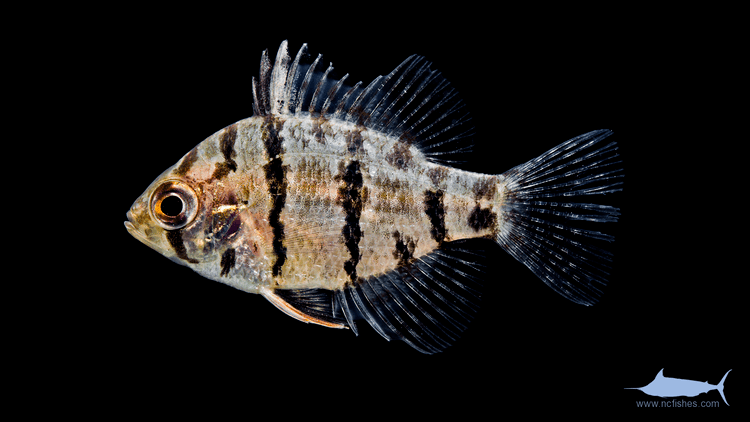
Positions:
(307, 305)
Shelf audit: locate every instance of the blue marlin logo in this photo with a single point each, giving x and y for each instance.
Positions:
(663, 386)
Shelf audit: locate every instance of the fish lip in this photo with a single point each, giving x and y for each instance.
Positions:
(131, 228)
(135, 232)
(129, 224)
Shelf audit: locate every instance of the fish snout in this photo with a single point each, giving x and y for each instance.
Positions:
(130, 225)
(129, 216)
(139, 230)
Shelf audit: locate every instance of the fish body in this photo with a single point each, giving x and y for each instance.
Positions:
(663, 386)
(339, 203)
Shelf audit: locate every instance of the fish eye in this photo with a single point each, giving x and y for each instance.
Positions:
(174, 205)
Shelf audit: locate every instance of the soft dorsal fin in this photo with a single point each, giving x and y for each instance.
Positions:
(413, 103)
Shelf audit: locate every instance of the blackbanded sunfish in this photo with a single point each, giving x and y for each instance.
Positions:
(339, 202)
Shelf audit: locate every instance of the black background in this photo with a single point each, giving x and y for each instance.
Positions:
(152, 336)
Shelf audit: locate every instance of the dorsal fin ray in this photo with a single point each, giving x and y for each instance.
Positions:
(413, 103)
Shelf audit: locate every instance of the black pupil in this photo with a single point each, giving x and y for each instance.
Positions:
(171, 206)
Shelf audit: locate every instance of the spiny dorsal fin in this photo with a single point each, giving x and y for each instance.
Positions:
(413, 103)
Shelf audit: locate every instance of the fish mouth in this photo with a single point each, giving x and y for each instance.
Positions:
(137, 233)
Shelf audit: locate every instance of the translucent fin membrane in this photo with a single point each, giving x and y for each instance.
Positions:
(551, 233)
(427, 303)
(413, 103)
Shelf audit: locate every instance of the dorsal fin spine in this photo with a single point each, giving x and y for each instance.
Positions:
(290, 95)
(264, 83)
(357, 108)
(318, 88)
(302, 94)
(332, 94)
(278, 79)
(345, 100)
(256, 102)
(413, 103)
(375, 106)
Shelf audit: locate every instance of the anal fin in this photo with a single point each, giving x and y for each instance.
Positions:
(427, 303)
(306, 305)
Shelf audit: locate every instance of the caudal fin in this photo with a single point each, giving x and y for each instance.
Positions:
(720, 387)
(547, 230)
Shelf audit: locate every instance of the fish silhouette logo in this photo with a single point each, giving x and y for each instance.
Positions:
(663, 386)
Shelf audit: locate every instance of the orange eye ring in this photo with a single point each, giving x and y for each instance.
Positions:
(173, 205)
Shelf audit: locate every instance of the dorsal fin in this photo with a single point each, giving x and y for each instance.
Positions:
(413, 103)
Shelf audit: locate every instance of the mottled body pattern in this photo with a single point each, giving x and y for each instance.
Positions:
(335, 203)
(321, 218)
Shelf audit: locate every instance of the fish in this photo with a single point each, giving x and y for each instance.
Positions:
(340, 202)
(663, 386)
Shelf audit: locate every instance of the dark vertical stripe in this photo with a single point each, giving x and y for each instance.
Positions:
(435, 210)
(404, 249)
(226, 145)
(482, 218)
(187, 162)
(174, 237)
(227, 261)
(276, 179)
(350, 196)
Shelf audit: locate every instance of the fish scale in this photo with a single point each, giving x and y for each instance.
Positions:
(394, 199)
(339, 203)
